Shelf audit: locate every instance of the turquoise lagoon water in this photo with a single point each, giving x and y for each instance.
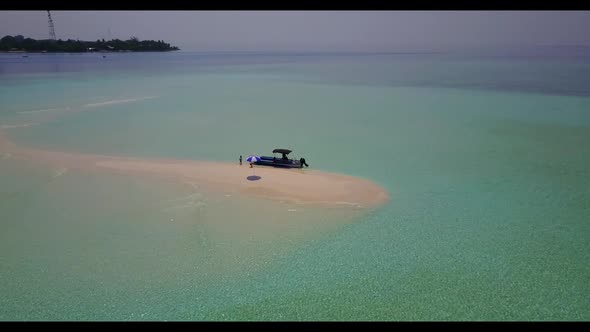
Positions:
(485, 159)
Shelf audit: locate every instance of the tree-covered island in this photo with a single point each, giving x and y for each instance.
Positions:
(22, 44)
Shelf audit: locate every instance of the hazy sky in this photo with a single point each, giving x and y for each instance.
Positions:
(310, 30)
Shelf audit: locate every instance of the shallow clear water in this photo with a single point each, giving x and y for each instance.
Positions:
(485, 160)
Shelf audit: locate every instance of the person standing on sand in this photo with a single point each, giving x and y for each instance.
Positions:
(303, 162)
(240, 160)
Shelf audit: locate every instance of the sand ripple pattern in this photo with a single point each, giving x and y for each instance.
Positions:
(119, 101)
(89, 105)
(194, 201)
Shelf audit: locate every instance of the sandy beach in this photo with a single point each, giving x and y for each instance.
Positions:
(302, 186)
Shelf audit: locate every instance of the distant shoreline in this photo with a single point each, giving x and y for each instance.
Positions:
(20, 44)
(62, 52)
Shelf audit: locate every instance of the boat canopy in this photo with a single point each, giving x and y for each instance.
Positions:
(284, 151)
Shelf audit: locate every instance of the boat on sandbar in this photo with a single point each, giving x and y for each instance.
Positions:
(283, 161)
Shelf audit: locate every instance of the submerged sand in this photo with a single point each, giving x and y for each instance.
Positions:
(303, 186)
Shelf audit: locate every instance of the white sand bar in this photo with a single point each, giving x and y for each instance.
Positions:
(302, 186)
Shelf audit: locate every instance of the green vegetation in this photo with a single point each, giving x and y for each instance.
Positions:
(21, 44)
